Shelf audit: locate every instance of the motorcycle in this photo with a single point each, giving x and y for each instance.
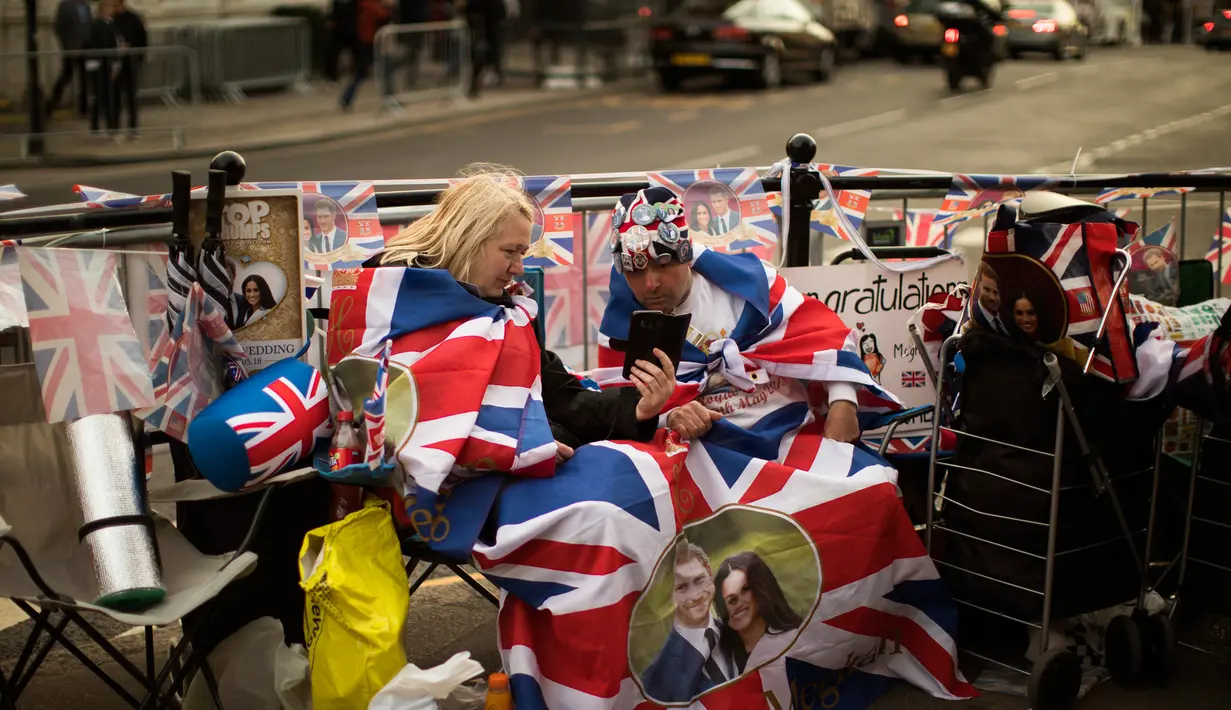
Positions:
(973, 39)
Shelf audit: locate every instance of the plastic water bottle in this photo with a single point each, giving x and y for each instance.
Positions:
(498, 695)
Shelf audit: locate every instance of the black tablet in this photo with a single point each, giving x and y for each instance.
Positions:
(655, 329)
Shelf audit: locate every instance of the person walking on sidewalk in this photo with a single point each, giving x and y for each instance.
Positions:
(486, 21)
(73, 18)
(373, 14)
(343, 15)
(103, 68)
(131, 30)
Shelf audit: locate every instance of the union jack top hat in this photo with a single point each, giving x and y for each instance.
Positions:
(649, 225)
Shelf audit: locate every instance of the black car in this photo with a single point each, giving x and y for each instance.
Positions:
(1218, 30)
(762, 41)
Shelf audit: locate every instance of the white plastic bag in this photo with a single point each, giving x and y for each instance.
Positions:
(255, 671)
(418, 688)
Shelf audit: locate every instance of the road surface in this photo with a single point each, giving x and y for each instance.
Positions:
(1148, 109)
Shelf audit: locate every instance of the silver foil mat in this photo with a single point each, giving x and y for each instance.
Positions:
(108, 478)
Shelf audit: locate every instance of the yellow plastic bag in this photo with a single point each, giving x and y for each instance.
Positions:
(352, 574)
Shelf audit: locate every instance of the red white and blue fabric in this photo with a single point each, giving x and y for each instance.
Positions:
(780, 332)
(574, 553)
(973, 196)
(374, 412)
(1115, 194)
(552, 244)
(1165, 236)
(185, 365)
(98, 198)
(1080, 255)
(921, 228)
(10, 192)
(1220, 249)
(474, 368)
(853, 202)
(261, 427)
(12, 300)
(575, 296)
(358, 202)
(86, 351)
(759, 235)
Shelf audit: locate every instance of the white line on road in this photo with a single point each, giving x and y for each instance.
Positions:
(1037, 80)
(860, 124)
(710, 161)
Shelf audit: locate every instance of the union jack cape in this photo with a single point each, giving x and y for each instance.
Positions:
(471, 369)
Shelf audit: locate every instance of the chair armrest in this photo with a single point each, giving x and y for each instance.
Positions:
(5, 528)
(199, 489)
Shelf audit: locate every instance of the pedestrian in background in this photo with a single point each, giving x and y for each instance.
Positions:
(343, 15)
(372, 15)
(73, 18)
(486, 21)
(131, 30)
(103, 68)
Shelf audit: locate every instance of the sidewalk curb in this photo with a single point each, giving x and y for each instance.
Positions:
(384, 126)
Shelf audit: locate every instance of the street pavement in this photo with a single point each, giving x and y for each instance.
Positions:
(1130, 110)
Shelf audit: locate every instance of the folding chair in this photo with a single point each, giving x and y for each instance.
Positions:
(43, 565)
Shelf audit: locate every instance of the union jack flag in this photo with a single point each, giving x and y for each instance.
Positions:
(364, 236)
(914, 378)
(98, 198)
(185, 365)
(1080, 255)
(1220, 249)
(271, 438)
(12, 301)
(473, 367)
(10, 192)
(921, 228)
(979, 195)
(1165, 236)
(86, 351)
(570, 324)
(148, 275)
(757, 232)
(374, 412)
(552, 243)
(580, 558)
(1115, 194)
(854, 203)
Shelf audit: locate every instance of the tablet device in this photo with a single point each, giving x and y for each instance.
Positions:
(655, 329)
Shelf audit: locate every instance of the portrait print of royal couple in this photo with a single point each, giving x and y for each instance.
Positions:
(323, 228)
(727, 620)
(713, 213)
(1019, 297)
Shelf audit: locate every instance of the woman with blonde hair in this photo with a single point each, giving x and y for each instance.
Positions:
(479, 233)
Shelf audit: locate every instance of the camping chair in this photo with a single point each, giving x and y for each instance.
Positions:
(43, 565)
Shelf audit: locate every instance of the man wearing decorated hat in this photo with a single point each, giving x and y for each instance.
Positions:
(760, 354)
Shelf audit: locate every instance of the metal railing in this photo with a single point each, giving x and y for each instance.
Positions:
(422, 61)
(567, 55)
(245, 54)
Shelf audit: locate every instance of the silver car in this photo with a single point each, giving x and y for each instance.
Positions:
(1050, 26)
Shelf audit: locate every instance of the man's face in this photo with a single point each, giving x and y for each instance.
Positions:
(989, 294)
(324, 218)
(692, 594)
(660, 287)
(719, 200)
(1155, 261)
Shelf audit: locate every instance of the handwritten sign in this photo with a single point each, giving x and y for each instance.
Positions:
(879, 304)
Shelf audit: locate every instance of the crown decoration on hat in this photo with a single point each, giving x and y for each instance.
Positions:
(649, 225)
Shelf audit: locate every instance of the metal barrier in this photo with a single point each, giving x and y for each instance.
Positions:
(171, 73)
(421, 61)
(603, 51)
(243, 54)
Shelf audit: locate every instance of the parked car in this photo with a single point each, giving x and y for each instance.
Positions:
(1048, 26)
(916, 31)
(1218, 30)
(763, 41)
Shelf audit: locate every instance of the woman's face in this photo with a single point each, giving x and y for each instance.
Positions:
(867, 346)
(703, 216)
(305, 229)
(252, 293)
(499, 261)
(1025, 317)
(741, 605)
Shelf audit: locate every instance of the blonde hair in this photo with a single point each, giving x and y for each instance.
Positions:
(467, 215)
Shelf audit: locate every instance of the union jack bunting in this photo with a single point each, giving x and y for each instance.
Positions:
(10, 192)
(186, 365)
(147, 284)
(357, 200)
(374, 412)
(978, 195)
(754, 229)
(570, 324)
(551, 243)
(1165, 237)
(1220, 249)
(85, 348)
(852, 202)
(921, 228)
(587, 566)
(1138, 193)
(12, 300)
(471, 369)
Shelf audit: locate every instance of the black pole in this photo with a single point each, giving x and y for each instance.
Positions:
(805, 187)
(34, 91)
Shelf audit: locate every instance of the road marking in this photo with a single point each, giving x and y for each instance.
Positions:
(1088, 159)
(600, 129)
(728, 157)
(741, 104)
(1037, 80)
(682, 116)
(860, 124)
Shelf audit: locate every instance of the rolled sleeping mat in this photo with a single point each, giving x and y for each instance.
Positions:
(109, 479)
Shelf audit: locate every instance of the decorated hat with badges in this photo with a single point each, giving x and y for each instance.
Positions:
(649, 226)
